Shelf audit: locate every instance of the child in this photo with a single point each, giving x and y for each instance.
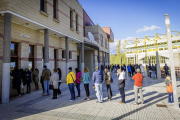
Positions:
(169, 89)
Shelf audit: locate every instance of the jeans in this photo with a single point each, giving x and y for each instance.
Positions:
(46, 87)
(136, 90)
(71, 89)
(170, 98)
(86, 87)
(154, 74)
(28, 87)
(59, 91)
(109, 91)
(99, 92)
(78, 88)
(122, 94)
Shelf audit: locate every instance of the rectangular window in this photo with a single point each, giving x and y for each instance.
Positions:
(54, 9)
(101, 37)
(31, 57)
(42, 2)
(70, 54)
(166, 48)
(77, 26)
(55, 58)
(160, 49)
(14, 56)
(63, 54)
(71, 19)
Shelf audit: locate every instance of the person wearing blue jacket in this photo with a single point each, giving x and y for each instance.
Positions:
(129, 71)
(86, 78)
(98, 78)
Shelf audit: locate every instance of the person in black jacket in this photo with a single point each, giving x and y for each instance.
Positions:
(17, 80)
(28, 81)
(121, 84)
(59, 82)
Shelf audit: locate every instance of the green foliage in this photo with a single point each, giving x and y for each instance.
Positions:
(116, 59)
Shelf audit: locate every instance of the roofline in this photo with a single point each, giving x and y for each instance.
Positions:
(88, 16)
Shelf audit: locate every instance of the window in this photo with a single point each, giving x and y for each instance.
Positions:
(106, 44)
(166, 48)
(77, 26)
(160, 49)
(14, 56)
(144, 51)
(55, 58)
(101, 37)
(42, 2)
(63, 54)
(174, 47)
(55, 9)
(71, 18)
(70, 54)
(31, 57)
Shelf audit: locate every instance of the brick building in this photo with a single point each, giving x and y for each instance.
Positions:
(56, 33)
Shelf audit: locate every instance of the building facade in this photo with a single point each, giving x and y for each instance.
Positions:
(55, 33)
(144, 52)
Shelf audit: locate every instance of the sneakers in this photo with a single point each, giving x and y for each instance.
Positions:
(135, 103)
(121, 102)
(71, 100)
(78, 96)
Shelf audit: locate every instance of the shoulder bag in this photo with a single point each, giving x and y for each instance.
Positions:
(73, 80)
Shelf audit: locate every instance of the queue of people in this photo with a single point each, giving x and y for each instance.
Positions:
(25, 77)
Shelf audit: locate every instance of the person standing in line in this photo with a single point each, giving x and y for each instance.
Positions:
(132, 69)
(169, 89)
(23, 78)
(138, 83)
(54, 82)
(71, 79)
(46, 74)
(147, 69)
(150, 70)
(17, 80)
(28, 80)
(153, 71)
(118, 66)
(129, 71)
(115, 68)
(59, 82)
(42, 84)
(98, 78)
(166, 68)
(78, 82)
(36, 78)
(108, 83)
(142, 69)
(121, 85)
(124, 67)
(86, 78)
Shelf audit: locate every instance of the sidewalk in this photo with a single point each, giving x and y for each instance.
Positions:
(35, 107)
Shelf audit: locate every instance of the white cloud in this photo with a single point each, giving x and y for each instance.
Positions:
(114, 44)
(153, 27)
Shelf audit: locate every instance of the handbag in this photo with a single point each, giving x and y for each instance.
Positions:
(51, 87)
(73, 80)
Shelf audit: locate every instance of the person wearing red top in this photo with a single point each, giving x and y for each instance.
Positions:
(138, 81)
(78, 82)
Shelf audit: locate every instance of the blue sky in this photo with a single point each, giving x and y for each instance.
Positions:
(126, 17)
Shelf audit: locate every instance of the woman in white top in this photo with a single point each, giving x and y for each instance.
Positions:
(54, 82)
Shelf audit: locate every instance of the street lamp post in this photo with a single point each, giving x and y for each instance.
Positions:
(173, 76)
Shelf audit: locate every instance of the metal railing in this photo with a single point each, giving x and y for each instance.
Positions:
(91, 41)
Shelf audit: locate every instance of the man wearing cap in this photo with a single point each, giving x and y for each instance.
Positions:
(98, 77)
(138, 82)
(46, 74)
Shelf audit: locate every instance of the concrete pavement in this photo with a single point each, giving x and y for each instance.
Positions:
(36, 107)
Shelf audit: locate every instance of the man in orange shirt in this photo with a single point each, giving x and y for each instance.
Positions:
(138, 81)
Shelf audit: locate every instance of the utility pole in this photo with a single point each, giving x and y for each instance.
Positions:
(173, 76)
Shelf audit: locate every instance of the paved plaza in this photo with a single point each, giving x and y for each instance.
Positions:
(35, 107)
